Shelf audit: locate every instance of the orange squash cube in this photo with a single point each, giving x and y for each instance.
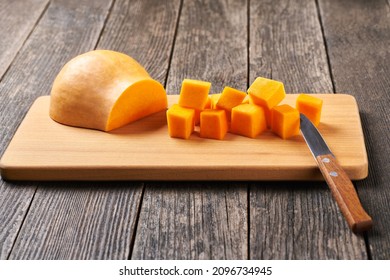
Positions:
(230, 98)
(213, 124)
(267, 93)
(248, 120)
(310, 106)
(214, 100)
(180, 121)
(246, 100)
(285, 121)
(267, 112)
(208, 103)
(194, 94)
(197, 116)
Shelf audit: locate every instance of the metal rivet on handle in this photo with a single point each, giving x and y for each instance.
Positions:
(326, 160)
(333, 174)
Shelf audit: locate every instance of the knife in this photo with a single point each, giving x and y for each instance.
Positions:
(338, 181)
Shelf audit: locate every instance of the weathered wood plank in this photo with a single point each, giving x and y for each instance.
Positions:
(193, 221)
(211, 45)
(358, 38)
(15, 200)
(299, 221)
(209, 220)
(17, 20)
(144, 30)
(81, 221)
(294, 220)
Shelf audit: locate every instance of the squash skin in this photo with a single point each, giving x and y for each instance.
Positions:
(104, 90)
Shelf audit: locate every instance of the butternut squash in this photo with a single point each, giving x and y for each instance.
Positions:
(214, 100)
(180, 121)
(267, 112)
(266, 92)
(213, 124)
(246, 100)
(310, 106)
(285, 121)
(248, 120)
(194, 94)
(104, 90)
(230, 98)
(197, 112)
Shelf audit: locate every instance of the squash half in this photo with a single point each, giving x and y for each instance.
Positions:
(104, 90)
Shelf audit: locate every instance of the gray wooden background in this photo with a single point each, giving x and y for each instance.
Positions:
(319, 46)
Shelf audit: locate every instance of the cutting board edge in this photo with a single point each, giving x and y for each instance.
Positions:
(170, 173)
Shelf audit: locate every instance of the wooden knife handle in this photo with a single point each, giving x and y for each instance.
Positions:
(344, 193)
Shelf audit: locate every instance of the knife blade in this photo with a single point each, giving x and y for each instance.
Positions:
(337, 179)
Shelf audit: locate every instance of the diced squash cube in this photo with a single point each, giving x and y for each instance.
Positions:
(268, 116)
(267, 93)
(230, 98)
(208, 103)
(194, 94)
(214, 100)
(180, 121)
(285, 121)
(197, 116)
(248, 120)
(197, 112)
(267, 112)
(213, 124)
(310, 106)
(246, 100)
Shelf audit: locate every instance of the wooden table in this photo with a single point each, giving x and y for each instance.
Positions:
(319, 46)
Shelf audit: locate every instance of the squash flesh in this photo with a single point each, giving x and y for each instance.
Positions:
(267, 93)
(285, 121)
(310, 106)
(145, 94)
(230, 98)
(248, 120)
(214, 100)
(213, 124)
(180, 121)
(194, 94)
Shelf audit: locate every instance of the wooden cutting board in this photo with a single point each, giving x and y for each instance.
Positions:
(42, 149)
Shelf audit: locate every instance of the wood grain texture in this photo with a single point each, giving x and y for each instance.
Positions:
(210, 45)
(81, 221)
(145, 30)
(192, 221)
(358, 37)
(299, 221)
(286, 44)
(42, 149)
(17, 20)
(15, 200)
